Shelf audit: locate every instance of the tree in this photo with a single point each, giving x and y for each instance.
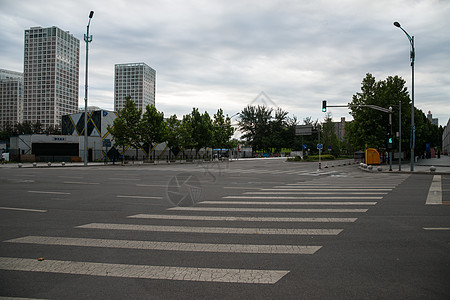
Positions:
(153, 129)
(126, 129)
(254, 123)
(173, 126)
(370, 128)
(186, 139)
(202, 130)
(222, 130)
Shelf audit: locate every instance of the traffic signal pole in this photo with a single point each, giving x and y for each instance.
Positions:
(386, 110)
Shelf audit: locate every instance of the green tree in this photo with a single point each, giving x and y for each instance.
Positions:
(153, 129)
(126, 129)
(278, 128)
(202, 130)
(222, 130)
(186, 137)
(254, 124)
(173, 126)
(370, 128)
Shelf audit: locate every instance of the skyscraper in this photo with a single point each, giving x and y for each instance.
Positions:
(51, 75)
(11, 98)
(134, 80)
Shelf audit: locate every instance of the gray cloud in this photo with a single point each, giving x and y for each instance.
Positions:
(211, 54)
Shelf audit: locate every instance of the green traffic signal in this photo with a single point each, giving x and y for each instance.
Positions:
(390, 140)
(324, 105)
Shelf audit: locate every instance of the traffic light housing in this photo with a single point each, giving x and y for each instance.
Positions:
(390, 142)
(324, 106)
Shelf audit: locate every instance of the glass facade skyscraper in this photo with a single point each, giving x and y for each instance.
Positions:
(51, 75)
(11, 98)
(134, 80)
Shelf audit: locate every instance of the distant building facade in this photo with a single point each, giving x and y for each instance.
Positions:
(51, 75)
(339, 129)
(446, 138)
(434, 121)
(11, 98)
(134, 80)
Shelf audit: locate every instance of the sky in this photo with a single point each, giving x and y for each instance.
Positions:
(213, 54)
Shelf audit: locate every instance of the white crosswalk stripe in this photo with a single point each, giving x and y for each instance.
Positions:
(143, 271)
(243, 219)
(168, 246)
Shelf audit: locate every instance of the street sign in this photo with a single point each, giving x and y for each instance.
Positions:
(305, 146)
(106, 143)
(303, 130)
(319, 146)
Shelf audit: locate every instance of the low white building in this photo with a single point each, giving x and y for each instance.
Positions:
(55, 147)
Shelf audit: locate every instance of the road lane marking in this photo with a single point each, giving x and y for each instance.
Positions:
(285, 203)
(301, 198)
(436, 228)
(217, 230)
(270, 210)
(167, 246)
(152, 185)
(300, 192)
(244, 219)
(80, 182)
(46, 192)
(24, 209)
(325, 189)
(138, 197)
(143, 271)
(435, 192)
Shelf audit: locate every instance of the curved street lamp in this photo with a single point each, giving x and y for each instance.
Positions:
(412, 57)
(87, 39)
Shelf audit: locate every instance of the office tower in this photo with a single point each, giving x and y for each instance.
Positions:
(51, 75)
(135, 80)
(11, 98)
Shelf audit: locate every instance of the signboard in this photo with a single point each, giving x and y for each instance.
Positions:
(319, 146)
(106, 143)
(303, 130)
(305, 146)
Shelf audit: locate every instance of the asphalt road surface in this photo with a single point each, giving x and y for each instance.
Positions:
(255, 229)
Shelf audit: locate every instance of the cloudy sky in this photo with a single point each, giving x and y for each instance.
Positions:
(214, 54)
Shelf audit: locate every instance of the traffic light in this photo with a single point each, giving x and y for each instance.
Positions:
(324, 106)
(389, 145)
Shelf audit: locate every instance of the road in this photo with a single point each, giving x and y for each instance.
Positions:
(257, 229)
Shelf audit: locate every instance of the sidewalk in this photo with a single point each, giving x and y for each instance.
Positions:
(422, 166)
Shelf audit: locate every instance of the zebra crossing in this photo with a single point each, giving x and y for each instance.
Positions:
(297, 207)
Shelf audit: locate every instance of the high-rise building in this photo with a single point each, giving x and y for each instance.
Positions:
(11, 98)
(137, 81)
(51, 75)
(434, 121)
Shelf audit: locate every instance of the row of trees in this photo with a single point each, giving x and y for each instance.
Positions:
(26, 127)
(194, 131)
(270, 130)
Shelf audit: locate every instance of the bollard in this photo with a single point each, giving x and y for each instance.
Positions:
(19, 165)
(432, 168)
(34, 164)
(380, 169)
(49, 164)
(63, 164)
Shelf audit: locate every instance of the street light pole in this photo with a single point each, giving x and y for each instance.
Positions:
(412, 57)
(87, 39)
